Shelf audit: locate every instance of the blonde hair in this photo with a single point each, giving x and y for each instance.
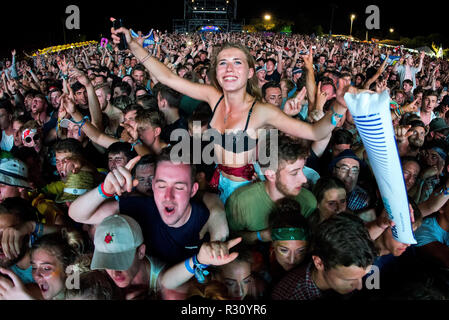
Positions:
(67, 246)
(252, 87)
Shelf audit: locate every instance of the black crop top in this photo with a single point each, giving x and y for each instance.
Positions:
(236, 142)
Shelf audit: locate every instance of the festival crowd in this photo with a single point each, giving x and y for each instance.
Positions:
(94, 205)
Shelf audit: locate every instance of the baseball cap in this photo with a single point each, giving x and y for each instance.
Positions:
(116, 240)
(348, 153)
(438, 124)
(64, 123)
(261, 68)
(296, 70)
(13, 172)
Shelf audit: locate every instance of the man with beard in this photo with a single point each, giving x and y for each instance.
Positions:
(115, 115)
(140, 78)
(248, 207)
(346, 167)
(411, 140)
(438, 130)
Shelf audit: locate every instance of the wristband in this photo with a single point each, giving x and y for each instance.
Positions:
(145, 58)
(445, 190)
(333, 121)
(200, 271)
(187, 265)
(82, 124)
(103, 193)
(135, 143)
(258, 236)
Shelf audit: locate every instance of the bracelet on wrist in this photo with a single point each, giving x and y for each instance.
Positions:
(103, 193)
(259, 236)
(188, 267)
(335, 114)
(135, 143)
(145, 58)
(200, 270)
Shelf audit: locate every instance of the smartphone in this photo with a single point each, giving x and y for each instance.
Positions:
(116, 24)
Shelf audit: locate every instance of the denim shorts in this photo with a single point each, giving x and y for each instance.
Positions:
(227, 186)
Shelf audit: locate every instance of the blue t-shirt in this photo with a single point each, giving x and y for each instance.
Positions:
(25, 275)
(430, 231)
(169, 244)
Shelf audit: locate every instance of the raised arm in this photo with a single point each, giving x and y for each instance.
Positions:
(212, 253)
(164, 75)
(91, 208)
(91, 131)
(319, 130)
(376, 75)
(310, 77)
(94, 105)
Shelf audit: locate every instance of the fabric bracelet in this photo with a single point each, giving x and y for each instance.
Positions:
(200, 271)
(145, 58)
(258, 236)
(285, 234)
(103, 193)
(187, 265)
(333, 121)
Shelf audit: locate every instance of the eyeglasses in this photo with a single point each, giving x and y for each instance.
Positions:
(35, 138)
(345, 169)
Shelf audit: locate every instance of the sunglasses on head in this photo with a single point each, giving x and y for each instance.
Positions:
(35, 138)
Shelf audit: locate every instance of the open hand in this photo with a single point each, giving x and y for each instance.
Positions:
(217, 253)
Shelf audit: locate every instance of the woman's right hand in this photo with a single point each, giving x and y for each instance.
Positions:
(116, 34)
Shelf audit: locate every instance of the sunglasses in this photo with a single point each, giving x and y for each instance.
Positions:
(35, 138)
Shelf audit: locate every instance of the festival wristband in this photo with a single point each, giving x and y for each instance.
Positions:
(338, 115)
(135, 143)
(145, 58)
(188, 267)
(103, 193)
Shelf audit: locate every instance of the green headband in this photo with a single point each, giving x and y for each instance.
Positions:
(285, 234)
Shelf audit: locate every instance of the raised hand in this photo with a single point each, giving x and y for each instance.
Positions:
(120, 180)
(293, 106)
(308, 59)
(217, 253)
(381, 86)
(321, 97)
(79, 76)
(411, 107)
(116, 34)
(12, 290)
(402, 133)
(68, 103)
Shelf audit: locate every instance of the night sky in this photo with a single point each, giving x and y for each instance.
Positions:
(40, 24)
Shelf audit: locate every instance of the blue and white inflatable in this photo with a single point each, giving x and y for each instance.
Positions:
(371, 113)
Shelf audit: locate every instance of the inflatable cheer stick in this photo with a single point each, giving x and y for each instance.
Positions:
(371, 113)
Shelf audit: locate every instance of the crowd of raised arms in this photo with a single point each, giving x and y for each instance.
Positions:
(93, 204)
